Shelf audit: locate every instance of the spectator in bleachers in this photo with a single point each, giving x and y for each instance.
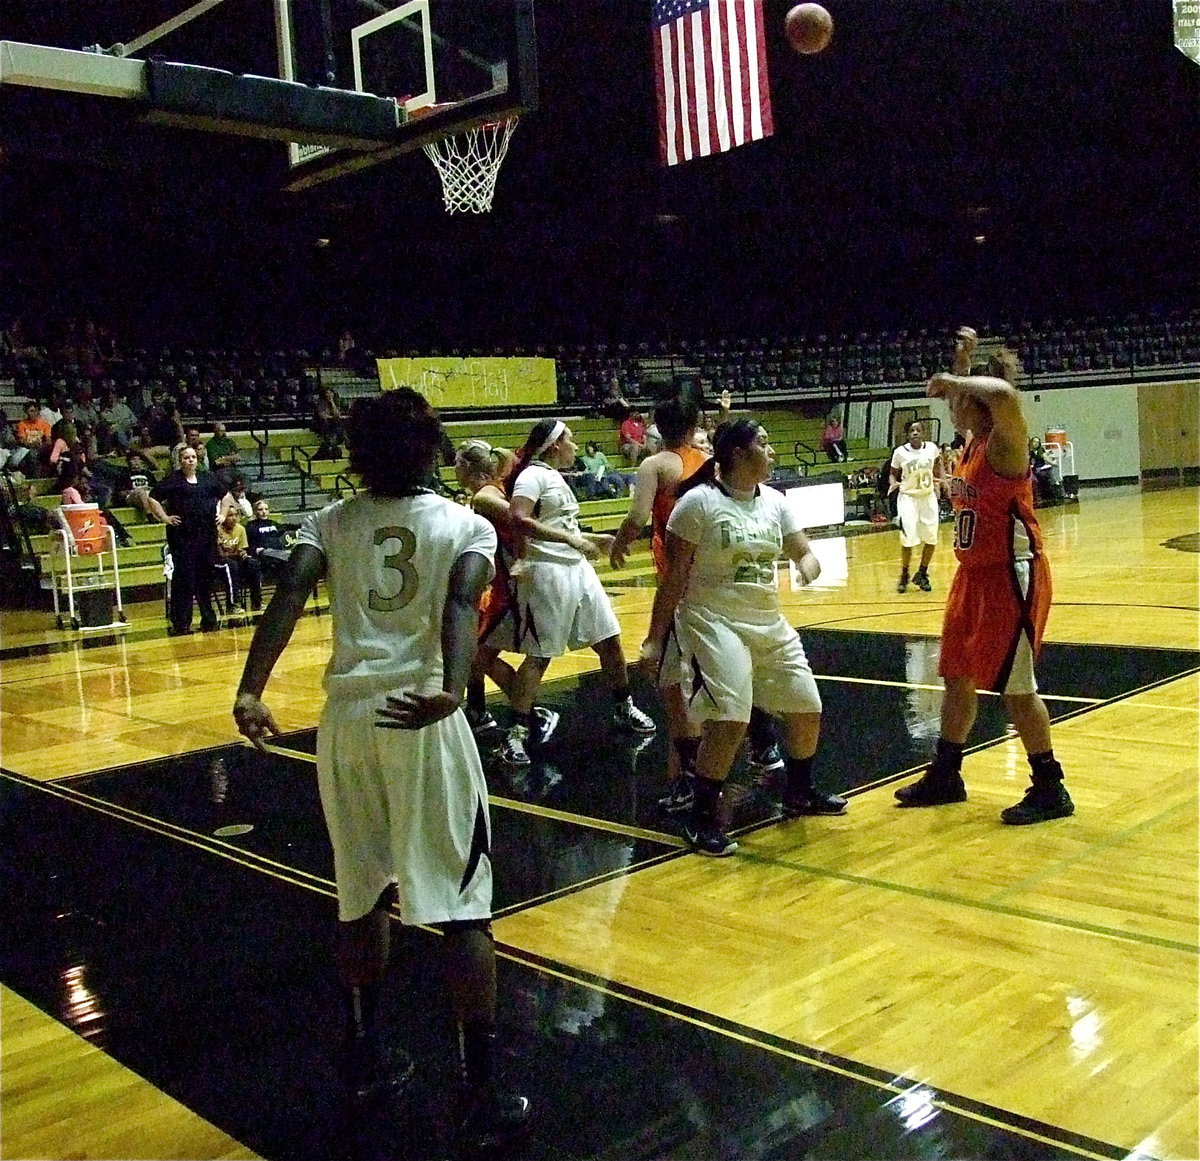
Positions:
(223, 456)
(86, 412)
(164, 421)
(613, 404)
(51, 410)
(244, 572)
(125, 486)
(12, 452)
(599, 481)
(266, 540)
(241, 502)
(33, 432)
(833, 439)
(192, 439)
(117, 422)
(631, 439)
(327, 424)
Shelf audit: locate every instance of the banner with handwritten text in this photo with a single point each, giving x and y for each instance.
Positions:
(475, 382)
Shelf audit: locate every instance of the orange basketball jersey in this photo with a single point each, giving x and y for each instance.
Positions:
(993, 515)
(664, 504)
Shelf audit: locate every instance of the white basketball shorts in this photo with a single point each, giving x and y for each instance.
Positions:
(918, 519)
(729, 667)
(407, 807)
(559, 607)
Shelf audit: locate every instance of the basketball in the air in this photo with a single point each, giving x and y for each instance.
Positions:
(809, 28)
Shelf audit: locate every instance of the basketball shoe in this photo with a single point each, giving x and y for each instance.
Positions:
(765, 760)
(933, 788)
(489, 1120)
(921, 580)
(680, 796)
(627, 716)
(809, 801)
(545, 722)
(708, 840)
(902, 584)
(515, 748)
(1040, 804)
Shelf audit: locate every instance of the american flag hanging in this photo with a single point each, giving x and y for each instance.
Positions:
(710, 69)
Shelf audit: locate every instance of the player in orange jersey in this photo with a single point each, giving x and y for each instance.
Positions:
(998, 601)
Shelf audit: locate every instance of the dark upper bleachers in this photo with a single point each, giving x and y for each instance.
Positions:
(233, 384)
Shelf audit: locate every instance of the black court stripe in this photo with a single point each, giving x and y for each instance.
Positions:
(820, 1058)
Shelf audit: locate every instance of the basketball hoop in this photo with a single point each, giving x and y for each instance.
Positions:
(468, 162)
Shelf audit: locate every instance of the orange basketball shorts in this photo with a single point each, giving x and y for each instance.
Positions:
(995, 618)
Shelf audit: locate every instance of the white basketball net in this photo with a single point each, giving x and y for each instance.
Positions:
(468, 162)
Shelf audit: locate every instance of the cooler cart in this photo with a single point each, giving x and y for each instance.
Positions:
(89, 535)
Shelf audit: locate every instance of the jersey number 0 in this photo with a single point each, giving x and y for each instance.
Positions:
(400, 562)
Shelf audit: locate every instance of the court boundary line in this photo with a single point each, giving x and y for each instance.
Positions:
(531, 961)
(814, 1057)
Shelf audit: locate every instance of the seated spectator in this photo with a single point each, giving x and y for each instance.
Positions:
(124, 485)
(74, 487)
(143, 456)
(631, 439)
(191, 439)
(599, 481)
(223, 457)
(51, 411)
(613, 404)
(244, 570)
(327, 424)
(242, 503)
(65, 425)
(33, 432)
(117, 422)
(267, 541)
(12, 452)
(165, 423)
(86, 412)
(833, 439)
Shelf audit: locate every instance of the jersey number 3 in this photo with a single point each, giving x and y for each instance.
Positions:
(400, 562)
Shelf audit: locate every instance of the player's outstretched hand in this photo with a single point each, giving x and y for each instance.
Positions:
(253, 719)
(617, 556)
(415, 711)
(940, 386)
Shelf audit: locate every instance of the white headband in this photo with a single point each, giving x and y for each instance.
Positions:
(555, 434)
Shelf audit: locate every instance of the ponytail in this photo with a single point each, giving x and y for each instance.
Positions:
(540, 437)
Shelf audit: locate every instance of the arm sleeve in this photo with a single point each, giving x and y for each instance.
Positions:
(529, 485)
(482, 539)
(311, 532)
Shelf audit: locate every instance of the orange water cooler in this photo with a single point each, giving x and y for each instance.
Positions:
(89, 593)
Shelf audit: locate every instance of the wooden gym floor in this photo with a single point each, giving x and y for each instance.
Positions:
(885, 984)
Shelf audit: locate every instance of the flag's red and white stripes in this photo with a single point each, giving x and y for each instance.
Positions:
(711, 76)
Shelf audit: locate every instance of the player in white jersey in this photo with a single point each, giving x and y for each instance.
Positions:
(724, 538)
(406, 805)
(560, 603)
(917, 472)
